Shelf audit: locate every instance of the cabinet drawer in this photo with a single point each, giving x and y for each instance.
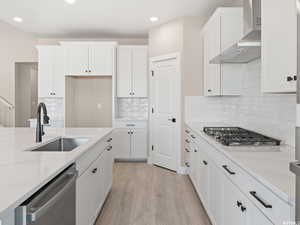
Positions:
(270, 204)
(131, 124)
(89, 157)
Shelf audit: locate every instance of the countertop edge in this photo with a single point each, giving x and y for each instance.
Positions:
(280, 193)
(82, 149)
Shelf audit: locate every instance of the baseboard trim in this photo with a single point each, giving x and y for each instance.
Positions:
(182, 170)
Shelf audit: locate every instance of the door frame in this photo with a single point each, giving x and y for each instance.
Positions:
(178, 111)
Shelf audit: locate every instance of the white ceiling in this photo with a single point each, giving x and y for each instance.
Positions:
(90, 18)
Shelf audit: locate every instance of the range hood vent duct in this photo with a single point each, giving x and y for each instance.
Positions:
(249, 47)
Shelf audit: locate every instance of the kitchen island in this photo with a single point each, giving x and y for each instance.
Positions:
(23, 172)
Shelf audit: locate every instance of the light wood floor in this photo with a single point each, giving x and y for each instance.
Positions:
(148, 195)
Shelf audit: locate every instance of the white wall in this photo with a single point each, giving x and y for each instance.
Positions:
(270, 114)
(121, 41)
(15, 46)
(166, 38)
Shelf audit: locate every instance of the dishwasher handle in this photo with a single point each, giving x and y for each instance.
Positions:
(64, 182)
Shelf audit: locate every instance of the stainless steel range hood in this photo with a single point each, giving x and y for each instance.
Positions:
(249, 47)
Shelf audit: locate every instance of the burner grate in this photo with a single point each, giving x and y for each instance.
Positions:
(236, 136)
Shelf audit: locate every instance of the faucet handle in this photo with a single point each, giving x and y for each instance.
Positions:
(46, 119)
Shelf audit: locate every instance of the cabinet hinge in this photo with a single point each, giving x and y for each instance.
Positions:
(152, 147)
(152, 72)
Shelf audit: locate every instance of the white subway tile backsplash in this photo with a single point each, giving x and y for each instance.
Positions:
(270, 114)
(55, 110)
(132, 108)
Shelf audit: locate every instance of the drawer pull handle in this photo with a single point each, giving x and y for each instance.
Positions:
(187, 141)
(187, 150)
(205, 162)
(228, 170)
(193, 136)
(95, 170)
(254, 194)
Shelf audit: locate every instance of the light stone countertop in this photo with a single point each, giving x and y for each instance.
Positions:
(269, 165)
(23, 172)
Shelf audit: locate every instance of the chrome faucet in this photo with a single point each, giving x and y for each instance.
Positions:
(39, 127)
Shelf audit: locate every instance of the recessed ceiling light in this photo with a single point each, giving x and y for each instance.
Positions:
(18, 19)
(153, 19)
(71, 2)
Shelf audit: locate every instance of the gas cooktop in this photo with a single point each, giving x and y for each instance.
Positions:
(236, 136)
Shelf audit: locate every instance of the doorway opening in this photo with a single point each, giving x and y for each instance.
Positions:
(26, 92)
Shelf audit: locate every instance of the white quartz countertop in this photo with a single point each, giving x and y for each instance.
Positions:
(23, 172)
(269, 165)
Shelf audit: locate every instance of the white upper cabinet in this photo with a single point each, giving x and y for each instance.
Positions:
(132, 71)
(101, 60)
(124, 62)
(51, 72)
(223, 29)
(89, 58)
(279, 46)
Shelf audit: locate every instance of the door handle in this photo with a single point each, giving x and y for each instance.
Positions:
(173, 120)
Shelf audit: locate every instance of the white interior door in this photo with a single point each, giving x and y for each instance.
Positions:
(165, 99)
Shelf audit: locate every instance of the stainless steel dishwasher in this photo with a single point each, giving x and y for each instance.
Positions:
(54, 204)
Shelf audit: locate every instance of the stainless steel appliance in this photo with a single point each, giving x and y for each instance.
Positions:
(295, 166)
(249, 47)
(54, 204)
(236, 136)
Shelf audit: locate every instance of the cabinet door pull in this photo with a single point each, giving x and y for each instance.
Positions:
(95, 170)
(187, 150)
(187, 131)
(295, 77)
(289, 78)
(254, 194)
(187, 164)
(205, 162)
(193, 136)
(243, 208)
(239, 204)
(195, 150)
(187, 141)
(228, 170)
(109, 140)
(209, 90)
(109, 148)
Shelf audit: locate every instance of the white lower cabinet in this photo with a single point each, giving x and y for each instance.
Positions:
(224, 192)
(130, 144)
(92, 188)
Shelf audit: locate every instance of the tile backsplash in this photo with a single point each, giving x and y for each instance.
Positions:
(270, 114)
(132, 108)
(55, 110)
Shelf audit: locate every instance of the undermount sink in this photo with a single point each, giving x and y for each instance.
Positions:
(61, 145)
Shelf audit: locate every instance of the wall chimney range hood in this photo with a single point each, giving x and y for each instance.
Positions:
(249, 47)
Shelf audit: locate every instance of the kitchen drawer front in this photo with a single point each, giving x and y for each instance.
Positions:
(277, 210)
(210, 151)
(89, 157)
(131, 124)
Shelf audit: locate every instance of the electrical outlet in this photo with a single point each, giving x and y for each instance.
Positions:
(99, 106)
